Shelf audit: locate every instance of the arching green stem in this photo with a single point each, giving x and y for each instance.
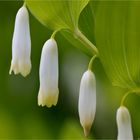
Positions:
(24, 4)
(83, 39)
(124, 97)
(128, 93)
(54, 33)
(91, 62)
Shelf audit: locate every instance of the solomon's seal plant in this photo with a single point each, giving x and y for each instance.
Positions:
(111, 35)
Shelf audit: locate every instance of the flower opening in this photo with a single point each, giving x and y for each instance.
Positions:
(48, 74)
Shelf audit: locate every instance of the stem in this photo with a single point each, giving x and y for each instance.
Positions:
(54, 33)
(124, 97)
(24, 4)
(127, 93)
(83, 39)
(91, 62)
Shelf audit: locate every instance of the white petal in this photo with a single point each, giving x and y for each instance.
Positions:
(21, 44)
(48, 74)
(87, 101)
(124, 124)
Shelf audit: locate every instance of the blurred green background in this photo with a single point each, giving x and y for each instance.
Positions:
(22, 118)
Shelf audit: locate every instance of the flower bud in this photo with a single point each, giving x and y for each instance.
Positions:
(48, 74)
(21, 44)
(87, 101)
(124, 124)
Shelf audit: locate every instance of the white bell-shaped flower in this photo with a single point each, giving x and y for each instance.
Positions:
(87, 100)
(124, 124)
(48, 74)
(21, 44)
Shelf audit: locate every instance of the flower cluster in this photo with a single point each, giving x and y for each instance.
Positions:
(21, 63)
(48, 71)
(48, 76)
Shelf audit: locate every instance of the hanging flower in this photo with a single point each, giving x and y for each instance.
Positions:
(48, 74)
(21, 44)
(124, 124)
(87, 101)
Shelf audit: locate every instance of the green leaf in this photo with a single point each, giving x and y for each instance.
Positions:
(57, 14)
(65, 15)
(112, 25)
(86, 25)
(117, 38)
(75, 42)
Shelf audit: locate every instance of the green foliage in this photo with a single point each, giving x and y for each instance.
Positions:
(57, 14)
(86, 25)
(112, 25)
(117, 38)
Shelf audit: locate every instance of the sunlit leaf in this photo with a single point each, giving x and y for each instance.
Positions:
(86, 25)
(112, 25)
(117, 38)
(76, 43)
(57, 14)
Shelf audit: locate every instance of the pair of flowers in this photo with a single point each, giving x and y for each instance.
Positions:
(21, 62)
(87, 109)
(48, 74)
